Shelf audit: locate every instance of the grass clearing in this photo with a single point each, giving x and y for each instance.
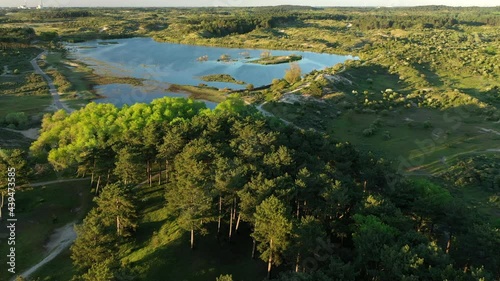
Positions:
(41, 210)
(31, 105)
(162, 252)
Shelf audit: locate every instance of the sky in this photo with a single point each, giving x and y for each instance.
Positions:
(215, 3)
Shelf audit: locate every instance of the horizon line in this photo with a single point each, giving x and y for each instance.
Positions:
(263, 6)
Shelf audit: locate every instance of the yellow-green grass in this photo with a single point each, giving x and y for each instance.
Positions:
(200, 93)
(423, 140)
(78, 79)
(412, 146)
(39, 211)
(162, 251)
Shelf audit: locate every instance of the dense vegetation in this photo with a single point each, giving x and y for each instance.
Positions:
(316, 207)
(329, 203)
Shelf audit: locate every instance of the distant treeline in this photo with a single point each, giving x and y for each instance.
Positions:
(225, 26)
(58, 14)
(226, 23)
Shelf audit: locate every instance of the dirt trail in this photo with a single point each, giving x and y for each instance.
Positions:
(32, 133)
(58, 241)
(52, 88)
(54, 181)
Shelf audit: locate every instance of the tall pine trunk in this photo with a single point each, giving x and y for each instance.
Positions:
(238, 222)
(254, 245)
(297, 262)
(118, 226)
(150, 173)
(448, 244)
(98, 183)
(192, 238)
(166, 171)
(220, 216)
(231, 224)
(270, 260)
(92, 179)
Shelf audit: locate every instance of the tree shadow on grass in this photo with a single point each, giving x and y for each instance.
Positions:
(210, 258)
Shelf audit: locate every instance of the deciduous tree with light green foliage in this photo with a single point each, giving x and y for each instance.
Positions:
(293, 74)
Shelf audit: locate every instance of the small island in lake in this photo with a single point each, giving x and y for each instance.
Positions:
(221, 78)
(277, 59)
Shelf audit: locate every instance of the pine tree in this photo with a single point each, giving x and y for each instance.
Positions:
(116, 206)
(272, 230)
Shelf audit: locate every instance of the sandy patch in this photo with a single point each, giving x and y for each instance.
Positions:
(484, 130)
(32, 133)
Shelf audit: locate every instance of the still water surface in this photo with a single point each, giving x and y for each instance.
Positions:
(163, 63)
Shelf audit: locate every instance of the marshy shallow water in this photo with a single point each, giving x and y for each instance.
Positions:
(163, 63)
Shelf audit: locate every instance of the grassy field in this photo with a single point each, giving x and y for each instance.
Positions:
(422, 137)
(32, 106)
(41, 210)
(165, 254)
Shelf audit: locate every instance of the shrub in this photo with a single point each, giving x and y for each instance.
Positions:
(387, 135)
(293, 74)
(16, 119)
(369, 132)
(226, 277)
(314, 90)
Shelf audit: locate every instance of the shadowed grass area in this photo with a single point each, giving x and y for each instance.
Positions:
(162, 252)
(41, 210)
(9, 139)
(31, 105)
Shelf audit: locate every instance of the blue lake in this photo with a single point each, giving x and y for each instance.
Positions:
(164, 63)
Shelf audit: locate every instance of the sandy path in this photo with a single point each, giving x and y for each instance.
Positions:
(54, 181)
(489, 131)
(52, 88)
(32, 133)
(58, 241)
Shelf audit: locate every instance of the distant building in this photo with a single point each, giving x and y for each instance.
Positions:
(40, 6)
(23, 7)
